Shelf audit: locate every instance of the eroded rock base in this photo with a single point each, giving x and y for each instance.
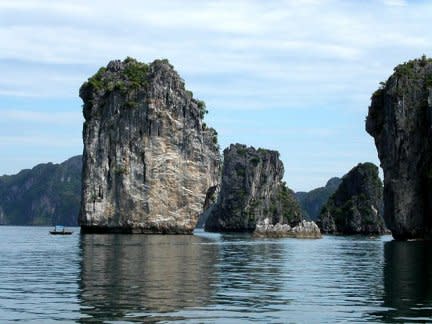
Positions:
(305, 229)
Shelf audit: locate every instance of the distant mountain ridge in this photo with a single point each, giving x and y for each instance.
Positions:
(47, 194)
(311, 202)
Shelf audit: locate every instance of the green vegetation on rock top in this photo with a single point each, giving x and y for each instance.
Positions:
(411, 70)
(408, 68)
(133, 74)
(136, 72)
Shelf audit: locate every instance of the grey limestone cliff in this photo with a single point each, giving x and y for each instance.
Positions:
(252, 192)
(149, 159)
(356, 206)
(400, 120)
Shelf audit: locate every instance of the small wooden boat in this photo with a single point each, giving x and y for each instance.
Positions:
(60, 230)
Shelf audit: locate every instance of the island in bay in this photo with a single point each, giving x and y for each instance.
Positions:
(152, 165)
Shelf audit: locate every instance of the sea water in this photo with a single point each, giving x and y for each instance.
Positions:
(208, 278)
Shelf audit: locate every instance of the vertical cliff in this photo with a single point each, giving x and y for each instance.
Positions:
(400, 120)
(149, 159)
(252, 192)
(356, 206)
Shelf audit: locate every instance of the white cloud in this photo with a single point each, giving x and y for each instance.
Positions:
(398, 3)
(64, 8)
(15, 115)
(243, 57)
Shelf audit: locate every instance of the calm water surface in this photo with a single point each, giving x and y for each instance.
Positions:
(211, 278)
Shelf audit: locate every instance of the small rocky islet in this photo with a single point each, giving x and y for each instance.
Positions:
(151, 165)
(253, 197)
(357, 205)
(149, 159)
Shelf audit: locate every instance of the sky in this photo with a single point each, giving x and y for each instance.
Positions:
(293, 76)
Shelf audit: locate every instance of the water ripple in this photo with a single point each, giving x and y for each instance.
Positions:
(209, 278)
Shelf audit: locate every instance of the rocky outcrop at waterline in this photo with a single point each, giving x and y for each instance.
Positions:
(251, 192)
(149, 159)
(400, 120)
(304, 229)
(356, 206)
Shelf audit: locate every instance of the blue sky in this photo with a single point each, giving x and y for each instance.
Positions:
(295, 76)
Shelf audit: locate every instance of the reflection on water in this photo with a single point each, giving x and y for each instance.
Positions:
(138, 276)
(408, 281)
(208, 278)
(250, 277)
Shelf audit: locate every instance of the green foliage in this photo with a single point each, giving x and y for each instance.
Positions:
(313, 201)
(96, 81)
(241, 194)
(213, 133)
(131, 104)
(349, 208)
(290, 209)
(407, 69)
(201, 104)
(202, 108)
(129, 59)
(377, 93)
(241, 150)
(136, 73)
(240, 170)
(262, 151)
(380, 90)
(255, 203)
(428, 80)
(424, 60)
(120, 170)
(255, 160)
(134, 76)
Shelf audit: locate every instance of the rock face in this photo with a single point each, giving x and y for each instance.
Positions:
(304, 229)
(252, 191)
(400, 120)
(149, 159)
(356, 206)
(48, 194)
(312, 202)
